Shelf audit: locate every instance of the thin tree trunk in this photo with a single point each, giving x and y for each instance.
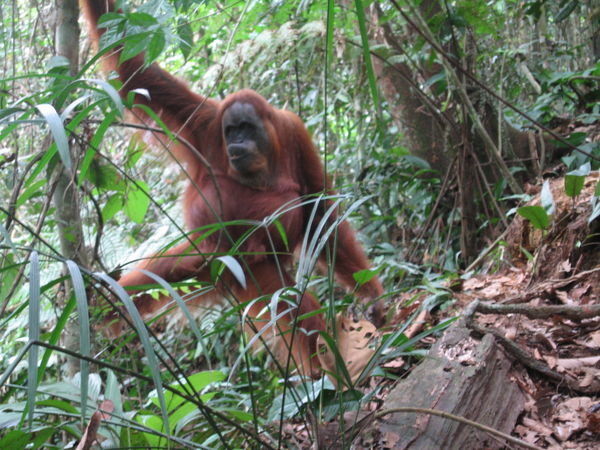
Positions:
(66, 198)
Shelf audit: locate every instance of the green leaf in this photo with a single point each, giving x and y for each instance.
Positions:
(112, 94)
(573, 185)
(134, 45)
(186, 37)
(156, 45)
(142, 332)
(34, 333)
(84, 330)
(16, 439)
(31, 191)
(58, 132)
(364, 37)
(364, 276)
(234, 267)
(575, 179)
(137, 202)
(282, 233)
(94, 144)
(113, 206)
(104, 177)
(566, 11)
(537, 215)
(240, 415)
(595, 212)
(547, 198)
(141, 19)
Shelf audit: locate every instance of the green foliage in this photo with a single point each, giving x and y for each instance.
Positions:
(537, 215)
(574, 180)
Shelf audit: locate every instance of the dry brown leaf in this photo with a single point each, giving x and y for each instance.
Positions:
(578, 363)
(354, 340)
(594, 422)
(571, 416)
(537, 426)
(589, 374)
(565, 266)
(593, 340)
(550, 360)
(391, 439)
(473, 283)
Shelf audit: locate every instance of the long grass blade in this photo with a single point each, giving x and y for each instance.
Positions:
(84, 332)
(34, 333)
(58, 132)
(142, 332)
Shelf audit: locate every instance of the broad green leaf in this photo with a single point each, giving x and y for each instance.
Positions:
(58, 404)
(105, 177)
(134, 45)
(566, 10)
(31, 191)
(137, 202)
(141, 19)
(364, 276)
(240, 415)
(573, 185)
(58, 62)
(186, 37)
(536, 215)
(154, 423)
(16, 439)
(112, 206)
(156, 45)
(193, 383)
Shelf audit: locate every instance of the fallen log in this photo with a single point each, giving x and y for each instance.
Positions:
(463, 376)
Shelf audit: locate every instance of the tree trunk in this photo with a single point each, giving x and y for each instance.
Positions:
(463, 134)
(66, 198)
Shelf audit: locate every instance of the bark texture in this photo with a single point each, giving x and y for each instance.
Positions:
(462, 376)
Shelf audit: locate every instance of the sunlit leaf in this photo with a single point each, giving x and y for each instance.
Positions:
(234, 267)
(58, 132)
(547, 198)
(537, 215)
(137, 202)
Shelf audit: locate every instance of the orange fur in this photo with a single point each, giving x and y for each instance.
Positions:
(213, 196)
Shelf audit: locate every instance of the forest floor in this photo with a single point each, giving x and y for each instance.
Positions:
(557, 368)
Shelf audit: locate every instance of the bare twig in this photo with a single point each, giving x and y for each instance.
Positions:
(460, 419)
